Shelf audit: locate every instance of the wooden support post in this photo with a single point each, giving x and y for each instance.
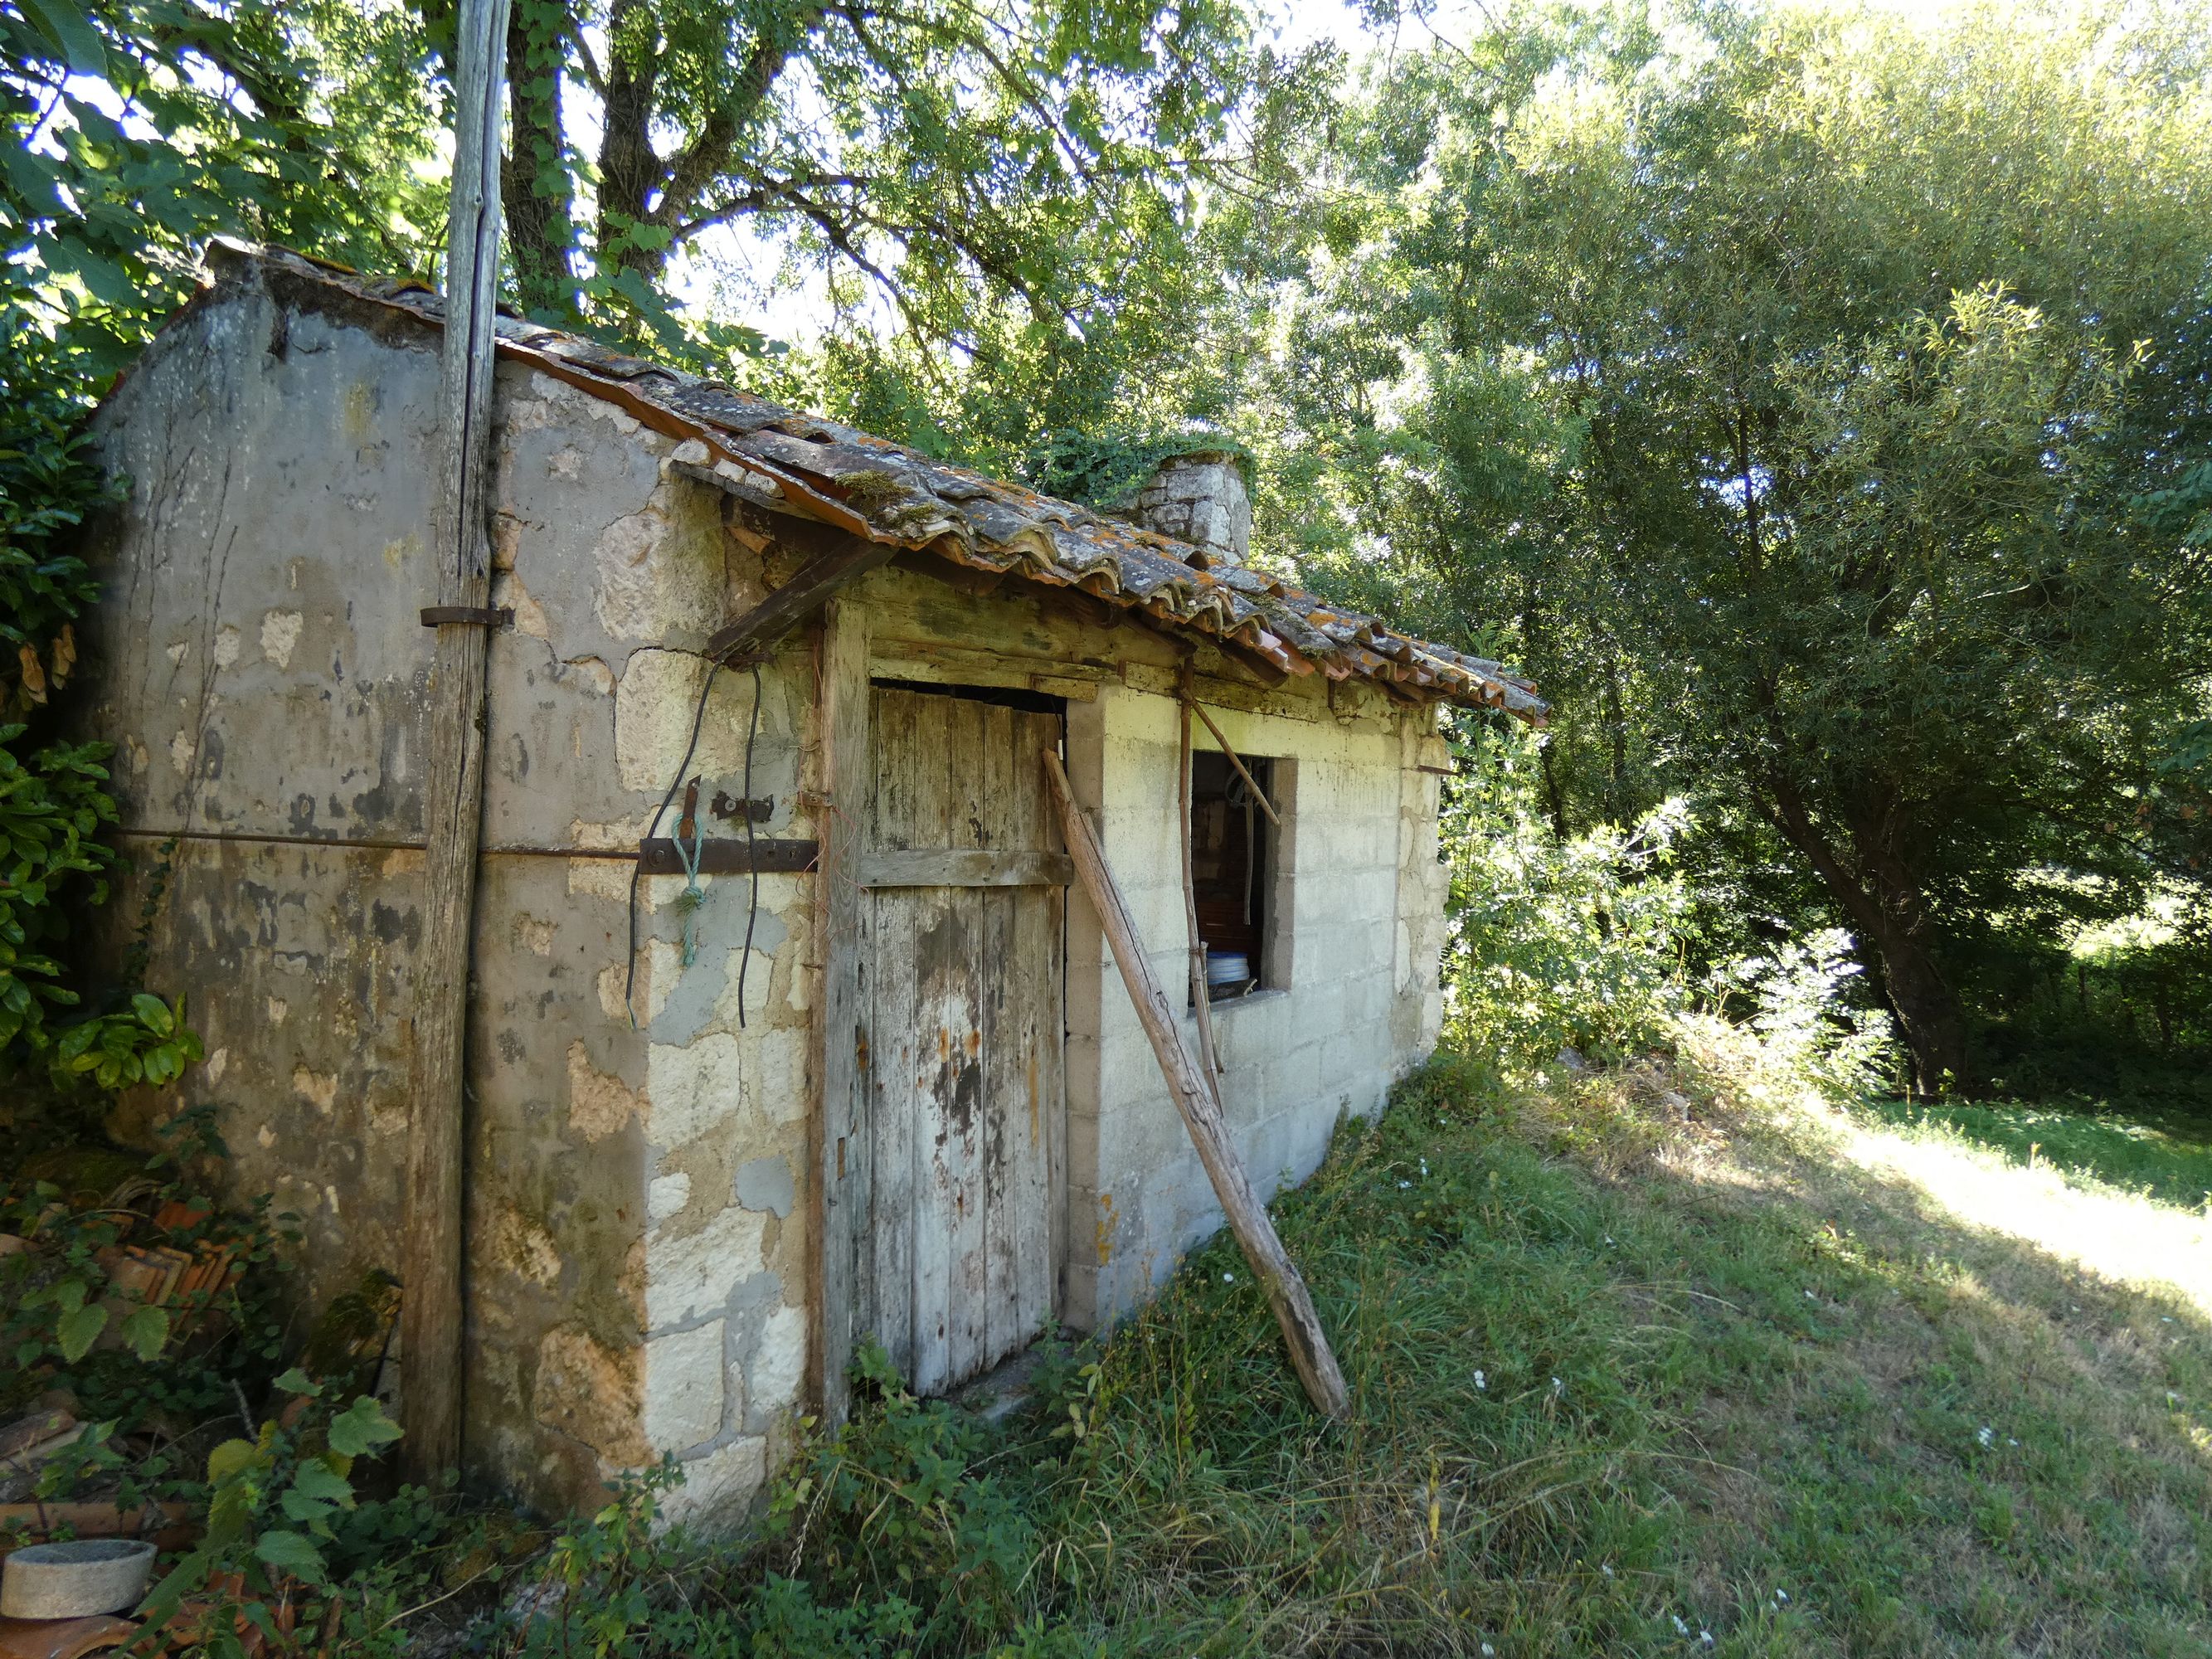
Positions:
(1196, 1098)
(452, 788)
(841, 1197)
(1201, 1000)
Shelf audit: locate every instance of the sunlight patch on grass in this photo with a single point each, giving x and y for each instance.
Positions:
(2118, 1235)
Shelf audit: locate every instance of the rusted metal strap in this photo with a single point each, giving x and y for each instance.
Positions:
(724, 855)
(481, 616)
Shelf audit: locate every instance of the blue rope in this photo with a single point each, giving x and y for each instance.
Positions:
(693, 896)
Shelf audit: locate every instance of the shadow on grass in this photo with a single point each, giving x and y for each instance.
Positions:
(1950, 1438)
(1621, 1364)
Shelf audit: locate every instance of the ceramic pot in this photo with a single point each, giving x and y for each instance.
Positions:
(74, 1580)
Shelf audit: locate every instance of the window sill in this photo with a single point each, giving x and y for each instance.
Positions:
(1269, 993)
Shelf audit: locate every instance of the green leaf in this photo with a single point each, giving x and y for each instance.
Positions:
(146, 1331)
(67, 27)
(296, 1381)
(316, 1478)
(78, 1330)
(152, 1014)
(289, 1551)
(230, 1459)
(191, 1573)
(307, 1511)
(363, 1427)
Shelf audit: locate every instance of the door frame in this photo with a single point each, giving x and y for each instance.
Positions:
(842, 1207)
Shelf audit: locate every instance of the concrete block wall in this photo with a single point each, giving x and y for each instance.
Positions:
(1344, 1015)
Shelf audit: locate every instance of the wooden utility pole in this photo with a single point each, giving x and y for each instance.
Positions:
(1196, 1098)
(430, 1320)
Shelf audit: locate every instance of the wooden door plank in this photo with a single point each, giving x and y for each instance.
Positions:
(967, 1109)
(895, 1065)
(1040, 828)
(938, 959)
(893, 1060)
(966, 868)
(1002, 1123)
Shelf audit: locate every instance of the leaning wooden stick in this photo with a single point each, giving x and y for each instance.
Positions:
(1201, 1106)
(1258, 794)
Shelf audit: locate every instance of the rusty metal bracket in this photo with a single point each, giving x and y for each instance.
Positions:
(731, 809)
(481, 616)
(721, 855)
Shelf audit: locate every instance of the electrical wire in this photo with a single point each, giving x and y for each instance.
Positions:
(752, 864)
(637, 870)
(752, 861)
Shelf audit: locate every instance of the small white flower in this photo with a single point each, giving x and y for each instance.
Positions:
(1488, 1651)
(2009, 1441)
(1605, 1567)
(1403, 1185)
(1810, 1297)
(1783, 1596)
(1680, 1629)
(1228, 1279)
(1609, 1238)
(1558, 1388)
(1424, 1169)
(1480, 1382)
(2172, 1398)
(1706, 1636)
(1986, 1435)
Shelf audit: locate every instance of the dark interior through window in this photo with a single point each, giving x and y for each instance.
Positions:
(1229, 857)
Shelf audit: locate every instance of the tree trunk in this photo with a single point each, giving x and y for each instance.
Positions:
(534, 185)
(1929, 1012)
(1874, 886)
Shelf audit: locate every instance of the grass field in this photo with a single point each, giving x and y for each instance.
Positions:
(1654, 1362)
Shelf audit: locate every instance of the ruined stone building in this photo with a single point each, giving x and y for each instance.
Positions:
(874, 1076)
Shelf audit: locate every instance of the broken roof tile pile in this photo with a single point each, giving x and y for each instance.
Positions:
(815, 468)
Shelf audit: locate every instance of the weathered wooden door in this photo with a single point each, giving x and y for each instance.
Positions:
(962, 995)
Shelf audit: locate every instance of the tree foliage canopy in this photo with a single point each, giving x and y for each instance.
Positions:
(1823, 399)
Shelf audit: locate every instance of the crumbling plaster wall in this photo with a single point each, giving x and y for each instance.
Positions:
(636, 1272)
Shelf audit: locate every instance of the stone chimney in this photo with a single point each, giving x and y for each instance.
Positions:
(1199, 498)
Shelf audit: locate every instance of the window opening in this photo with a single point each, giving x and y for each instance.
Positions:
(1231, 854)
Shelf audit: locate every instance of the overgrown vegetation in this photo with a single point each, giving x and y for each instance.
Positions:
(1641, 1362)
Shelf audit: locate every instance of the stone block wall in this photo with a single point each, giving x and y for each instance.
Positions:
(1200, 498)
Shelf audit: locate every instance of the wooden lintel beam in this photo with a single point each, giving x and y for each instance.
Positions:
(838, 559)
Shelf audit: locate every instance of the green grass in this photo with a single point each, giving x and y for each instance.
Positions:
(1624, 1354)
(2163, 1154)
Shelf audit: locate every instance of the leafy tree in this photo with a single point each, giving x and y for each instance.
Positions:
(134, 130)
(952, 156)
(137, 129)
(1823, 399)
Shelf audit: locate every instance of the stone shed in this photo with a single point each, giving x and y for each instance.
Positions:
(837, 1052)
